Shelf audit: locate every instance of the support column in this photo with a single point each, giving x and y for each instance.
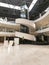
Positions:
(40, 15)
(16, 41)
(42, 38)
(4, 38)
(5, 42)
(28, 14)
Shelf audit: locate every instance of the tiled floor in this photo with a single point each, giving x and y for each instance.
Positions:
(24, 55)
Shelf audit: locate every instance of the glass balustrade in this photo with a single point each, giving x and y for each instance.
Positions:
(44, 27)
(4, 19)
(2, 29)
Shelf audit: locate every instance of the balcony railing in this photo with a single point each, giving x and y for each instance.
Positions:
(46, 26)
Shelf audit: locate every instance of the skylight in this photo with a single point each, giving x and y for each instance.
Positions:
(17, 7)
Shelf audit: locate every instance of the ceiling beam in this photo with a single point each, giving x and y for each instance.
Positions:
(32, 5)
(10, 6)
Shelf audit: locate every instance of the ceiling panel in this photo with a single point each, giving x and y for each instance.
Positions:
(39, 7)
(17, 2)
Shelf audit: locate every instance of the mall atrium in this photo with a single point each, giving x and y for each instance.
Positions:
(24, 32)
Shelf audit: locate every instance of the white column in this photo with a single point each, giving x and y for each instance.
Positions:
(5, 42)
(42, 38)
(16, 41)
(4, 38)
(40, 15)
(28, 14)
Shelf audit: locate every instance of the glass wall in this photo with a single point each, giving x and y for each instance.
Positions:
(24, 29)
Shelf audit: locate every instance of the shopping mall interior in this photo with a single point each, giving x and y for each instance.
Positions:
(24, 32)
